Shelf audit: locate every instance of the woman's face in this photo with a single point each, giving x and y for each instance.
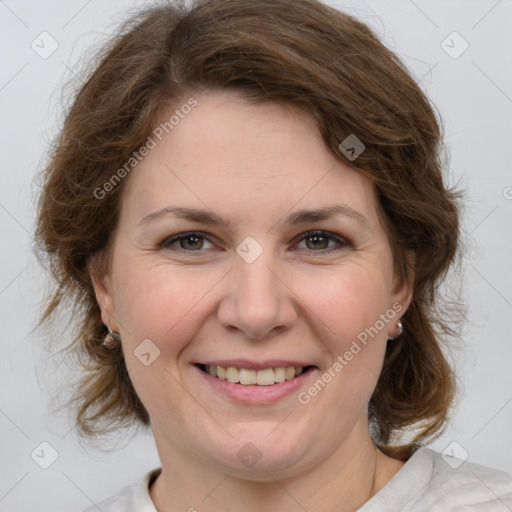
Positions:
(281, 262)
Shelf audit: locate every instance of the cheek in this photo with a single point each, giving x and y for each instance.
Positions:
(162, 302)
(168, 306)
(347, 307)
(345, 302)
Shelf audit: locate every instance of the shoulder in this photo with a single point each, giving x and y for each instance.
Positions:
(133, 498)
(466, 486)
(431, 482)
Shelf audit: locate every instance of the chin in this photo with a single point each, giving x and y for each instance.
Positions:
(251, 457)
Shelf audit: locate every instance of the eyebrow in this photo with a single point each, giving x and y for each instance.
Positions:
(210, 218)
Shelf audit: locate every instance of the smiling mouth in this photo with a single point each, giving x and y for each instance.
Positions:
(247, 377)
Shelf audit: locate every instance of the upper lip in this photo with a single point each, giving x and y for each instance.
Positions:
(255, 365)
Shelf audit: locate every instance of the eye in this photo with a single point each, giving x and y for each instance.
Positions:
(318, 241)
(190, 242)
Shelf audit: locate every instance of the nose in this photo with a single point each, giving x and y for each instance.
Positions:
(258, 302)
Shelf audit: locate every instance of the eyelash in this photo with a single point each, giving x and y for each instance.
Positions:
(342, 242)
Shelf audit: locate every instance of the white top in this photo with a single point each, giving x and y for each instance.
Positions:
(427, 482)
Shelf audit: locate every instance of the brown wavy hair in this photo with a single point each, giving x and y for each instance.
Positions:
(302, 53)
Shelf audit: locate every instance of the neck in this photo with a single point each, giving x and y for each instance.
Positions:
(344, 481)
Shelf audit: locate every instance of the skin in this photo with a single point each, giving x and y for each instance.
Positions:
(300, 299)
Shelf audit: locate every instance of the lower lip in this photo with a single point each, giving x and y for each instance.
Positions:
(254, 394)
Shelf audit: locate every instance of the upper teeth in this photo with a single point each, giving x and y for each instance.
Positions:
(265, 377)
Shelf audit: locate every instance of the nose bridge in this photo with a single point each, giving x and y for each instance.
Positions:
(257, 301)
(255, 283)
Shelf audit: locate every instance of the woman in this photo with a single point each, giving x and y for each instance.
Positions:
(246, 204)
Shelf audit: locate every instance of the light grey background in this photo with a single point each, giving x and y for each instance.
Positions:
(474, 96)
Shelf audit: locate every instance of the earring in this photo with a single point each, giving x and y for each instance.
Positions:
(400, 330)
(112, 339)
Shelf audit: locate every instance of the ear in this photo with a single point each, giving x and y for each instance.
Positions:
(400, 300)
(102, 285)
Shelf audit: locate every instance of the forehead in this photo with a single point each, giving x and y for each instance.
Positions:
(239, 157)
